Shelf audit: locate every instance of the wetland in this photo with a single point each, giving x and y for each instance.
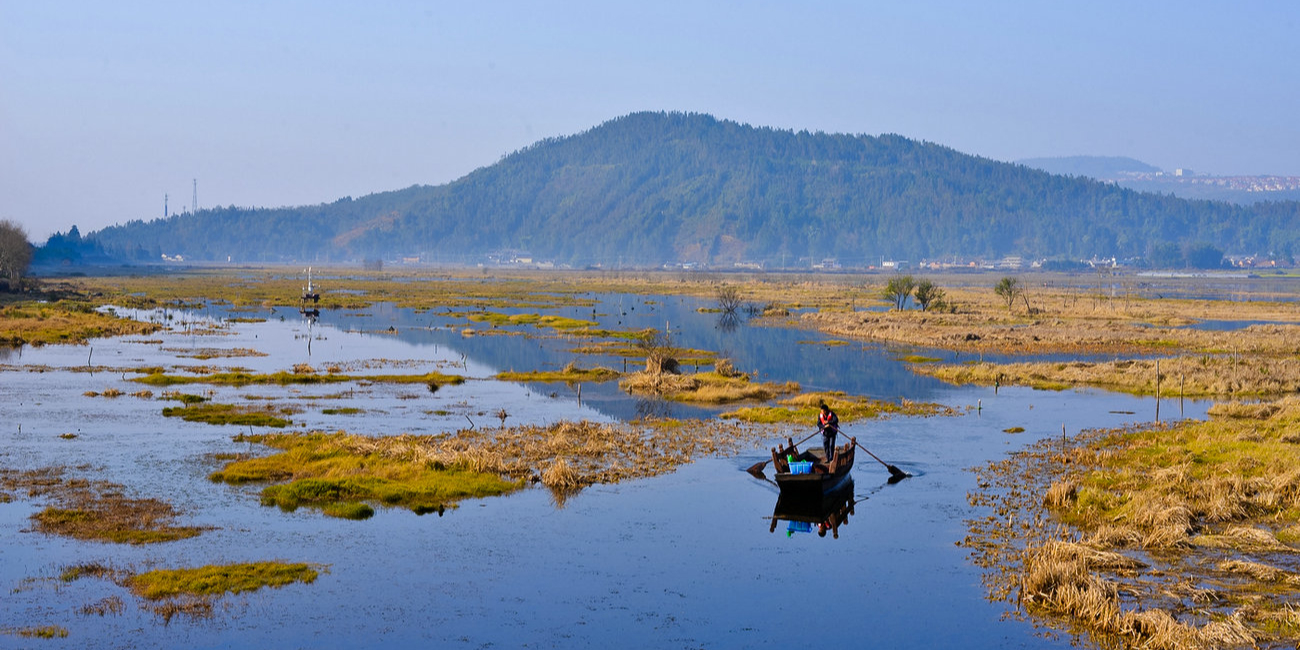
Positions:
(479, 458)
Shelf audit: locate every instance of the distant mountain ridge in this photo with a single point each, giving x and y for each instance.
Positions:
(653, 188)
(1099, 167)
(1137, 175)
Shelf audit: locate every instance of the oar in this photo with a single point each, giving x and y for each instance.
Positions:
(893, 471)
(757, 468)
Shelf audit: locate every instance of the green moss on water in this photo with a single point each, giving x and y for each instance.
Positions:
(916, 358)
(346, 410)
(216, 580)
(291, 378)
(804, 408)
(349, 510)
(185, 398)
(230, 414)
(43, 632)
(331, 471)
(570, 375)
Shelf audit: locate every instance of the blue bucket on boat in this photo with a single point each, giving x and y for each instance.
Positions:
(798, 527)
(801, 467)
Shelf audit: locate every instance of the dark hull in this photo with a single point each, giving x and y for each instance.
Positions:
(820, 481)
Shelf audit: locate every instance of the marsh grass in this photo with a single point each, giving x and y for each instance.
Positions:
(232, 414)
(704, 387)
(97, 510)
(1217, 375)
(345, 410)
(803, 408)
(431, 473)
(218, 580)
(1183, 506)
(331, 471)
(103, 607)
(571, 373)
(561, 323)
(42, 632)
(204, 354)
(293, 378)
(33, 323)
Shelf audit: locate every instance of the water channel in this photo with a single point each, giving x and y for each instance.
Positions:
(691, 559)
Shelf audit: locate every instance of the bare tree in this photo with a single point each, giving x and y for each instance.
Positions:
(729, 299)
(15, 254)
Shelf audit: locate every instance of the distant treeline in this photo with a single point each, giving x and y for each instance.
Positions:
(651, 188)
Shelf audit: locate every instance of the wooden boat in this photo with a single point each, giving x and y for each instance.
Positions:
(820, 476)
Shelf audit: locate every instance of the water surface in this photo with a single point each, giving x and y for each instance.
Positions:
(684, 560)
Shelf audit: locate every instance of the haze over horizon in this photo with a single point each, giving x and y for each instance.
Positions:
(107, 107)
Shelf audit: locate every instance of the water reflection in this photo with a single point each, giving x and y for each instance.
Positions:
(729, 321)
(804, 513)
(653, 409)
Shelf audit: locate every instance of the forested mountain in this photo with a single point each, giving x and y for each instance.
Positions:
(651, 188)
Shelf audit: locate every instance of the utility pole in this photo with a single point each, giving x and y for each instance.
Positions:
(164, 206)
(195, 206)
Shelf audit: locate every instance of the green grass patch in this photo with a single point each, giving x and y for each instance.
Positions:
(65, 321)
(185, 398)
(283, 378)
(917, 358)
(345, 410)
(43, 632)
(704, 387)
(497, 319)
(217, 580)
(804, 408)
(569, 375)
(229, 414)
(349, 510)
(331, 471)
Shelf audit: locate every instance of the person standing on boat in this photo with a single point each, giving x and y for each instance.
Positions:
(829, 424)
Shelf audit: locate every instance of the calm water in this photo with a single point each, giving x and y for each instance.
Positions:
(685, 560)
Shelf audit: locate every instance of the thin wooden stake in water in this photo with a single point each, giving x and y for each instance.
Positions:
(1182, 379)
(1157, 391)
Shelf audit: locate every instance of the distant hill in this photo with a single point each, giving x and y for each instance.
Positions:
(1100, 167)
(654, 188)
(1137, 175)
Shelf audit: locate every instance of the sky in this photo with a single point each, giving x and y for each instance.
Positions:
(106, 108)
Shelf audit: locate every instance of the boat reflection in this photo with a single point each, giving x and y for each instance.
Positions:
(820, 513)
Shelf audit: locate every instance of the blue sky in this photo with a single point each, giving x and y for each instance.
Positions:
(107, 106)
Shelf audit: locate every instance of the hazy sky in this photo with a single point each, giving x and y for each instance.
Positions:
(107, 106)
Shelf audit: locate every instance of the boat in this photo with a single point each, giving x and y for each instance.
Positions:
(819, 513)
(808, 472)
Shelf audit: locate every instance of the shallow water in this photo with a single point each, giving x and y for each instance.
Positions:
(685, 560)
